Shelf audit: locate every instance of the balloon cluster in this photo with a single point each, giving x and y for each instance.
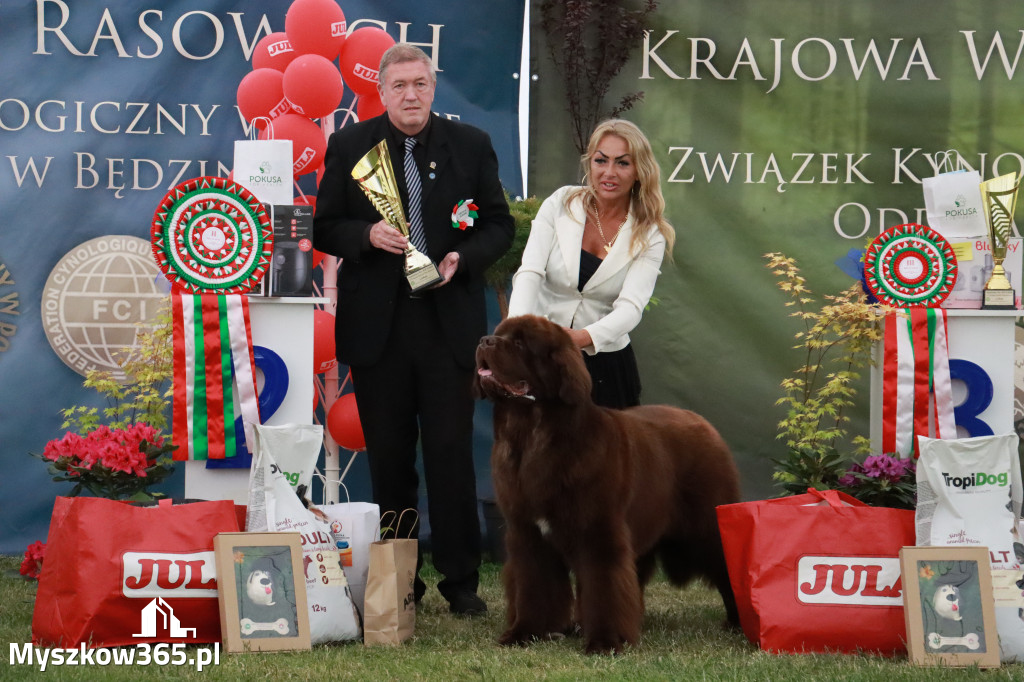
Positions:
(300, 74)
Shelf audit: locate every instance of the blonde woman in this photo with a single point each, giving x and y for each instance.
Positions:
(594, 254)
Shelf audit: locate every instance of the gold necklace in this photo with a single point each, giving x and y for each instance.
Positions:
(597, 220)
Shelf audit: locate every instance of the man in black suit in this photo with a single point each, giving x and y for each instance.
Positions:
(412, 355)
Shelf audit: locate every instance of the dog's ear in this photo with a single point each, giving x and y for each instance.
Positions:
(575, 385)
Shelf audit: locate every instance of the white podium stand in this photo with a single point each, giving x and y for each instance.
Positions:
(986, 338)
(284, 326)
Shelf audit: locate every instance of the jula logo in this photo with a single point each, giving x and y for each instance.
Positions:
(852, 581)
(317, 538)
(145, 575)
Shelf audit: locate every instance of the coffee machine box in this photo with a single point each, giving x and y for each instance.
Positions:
(291, 265)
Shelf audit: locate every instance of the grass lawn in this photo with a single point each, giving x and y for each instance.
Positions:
(682, 640)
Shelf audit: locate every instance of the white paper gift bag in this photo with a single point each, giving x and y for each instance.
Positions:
(952, 200)
(354, 526)
(264, 167)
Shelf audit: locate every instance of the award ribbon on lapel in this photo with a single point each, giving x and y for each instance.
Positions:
(915, 380)
(213, 240)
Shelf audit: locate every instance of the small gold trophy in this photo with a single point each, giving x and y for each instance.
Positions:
(999, 197)
(376, 177)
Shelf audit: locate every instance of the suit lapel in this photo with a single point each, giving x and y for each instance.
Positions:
(616, 259)
(437, 157)
(569, 230)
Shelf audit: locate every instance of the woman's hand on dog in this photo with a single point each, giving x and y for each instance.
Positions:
(581, 337)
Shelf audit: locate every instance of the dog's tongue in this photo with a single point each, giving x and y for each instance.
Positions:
(484, 372)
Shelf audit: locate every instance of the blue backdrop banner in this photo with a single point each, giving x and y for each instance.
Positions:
(106, 106)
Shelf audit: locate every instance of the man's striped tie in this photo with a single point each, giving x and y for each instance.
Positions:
(413, 184)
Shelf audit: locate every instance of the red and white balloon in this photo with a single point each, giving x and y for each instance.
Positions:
(323, 342)
(308, 143)
(316, 27)
(313, 86)
(344, 425)
(273, 51)
(261, 95)
(359, 60)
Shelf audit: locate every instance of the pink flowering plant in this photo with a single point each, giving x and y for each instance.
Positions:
(119, 464)
(119, 452)
(883, 481)
(32, 564)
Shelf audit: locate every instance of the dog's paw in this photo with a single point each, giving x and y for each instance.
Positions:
(606, 645)
(514, 637)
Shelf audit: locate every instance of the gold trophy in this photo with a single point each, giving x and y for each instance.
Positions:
(376, 177)
(999, 197)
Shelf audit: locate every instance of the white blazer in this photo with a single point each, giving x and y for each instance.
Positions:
(611, 303)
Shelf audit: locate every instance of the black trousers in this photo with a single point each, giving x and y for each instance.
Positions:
(417, 392)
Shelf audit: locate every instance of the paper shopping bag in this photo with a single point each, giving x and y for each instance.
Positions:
(390, 605)
(264, 167)
(354, 527)
(817, 572)
(117, 574)
(952, 200)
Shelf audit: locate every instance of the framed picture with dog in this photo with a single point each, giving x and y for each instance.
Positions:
(949, 606)
(261, 592)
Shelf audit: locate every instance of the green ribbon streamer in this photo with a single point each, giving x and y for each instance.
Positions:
(226, 377)
(200, 437)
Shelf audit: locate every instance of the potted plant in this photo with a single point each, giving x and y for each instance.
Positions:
(499, 275)
(120, 452)
(836, 337)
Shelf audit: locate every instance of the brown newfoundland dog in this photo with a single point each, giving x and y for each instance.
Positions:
(597, 493)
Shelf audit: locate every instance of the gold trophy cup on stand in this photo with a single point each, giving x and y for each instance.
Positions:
(376, 177)
(999, 198)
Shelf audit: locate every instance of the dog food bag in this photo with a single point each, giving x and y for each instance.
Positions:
(969, 493)
(295, 448)
(274, 506)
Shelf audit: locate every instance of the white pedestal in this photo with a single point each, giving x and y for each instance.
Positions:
(285, 326)
(983, 337)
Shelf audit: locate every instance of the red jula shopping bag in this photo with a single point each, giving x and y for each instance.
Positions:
(116, 574)
(817, 572)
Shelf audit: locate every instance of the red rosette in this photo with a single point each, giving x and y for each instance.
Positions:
(212, 235)
(909, 266)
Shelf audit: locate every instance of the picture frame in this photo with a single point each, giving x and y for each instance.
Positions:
(261, 592)
(949, 606)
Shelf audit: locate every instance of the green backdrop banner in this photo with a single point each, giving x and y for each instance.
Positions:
(792, 126)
